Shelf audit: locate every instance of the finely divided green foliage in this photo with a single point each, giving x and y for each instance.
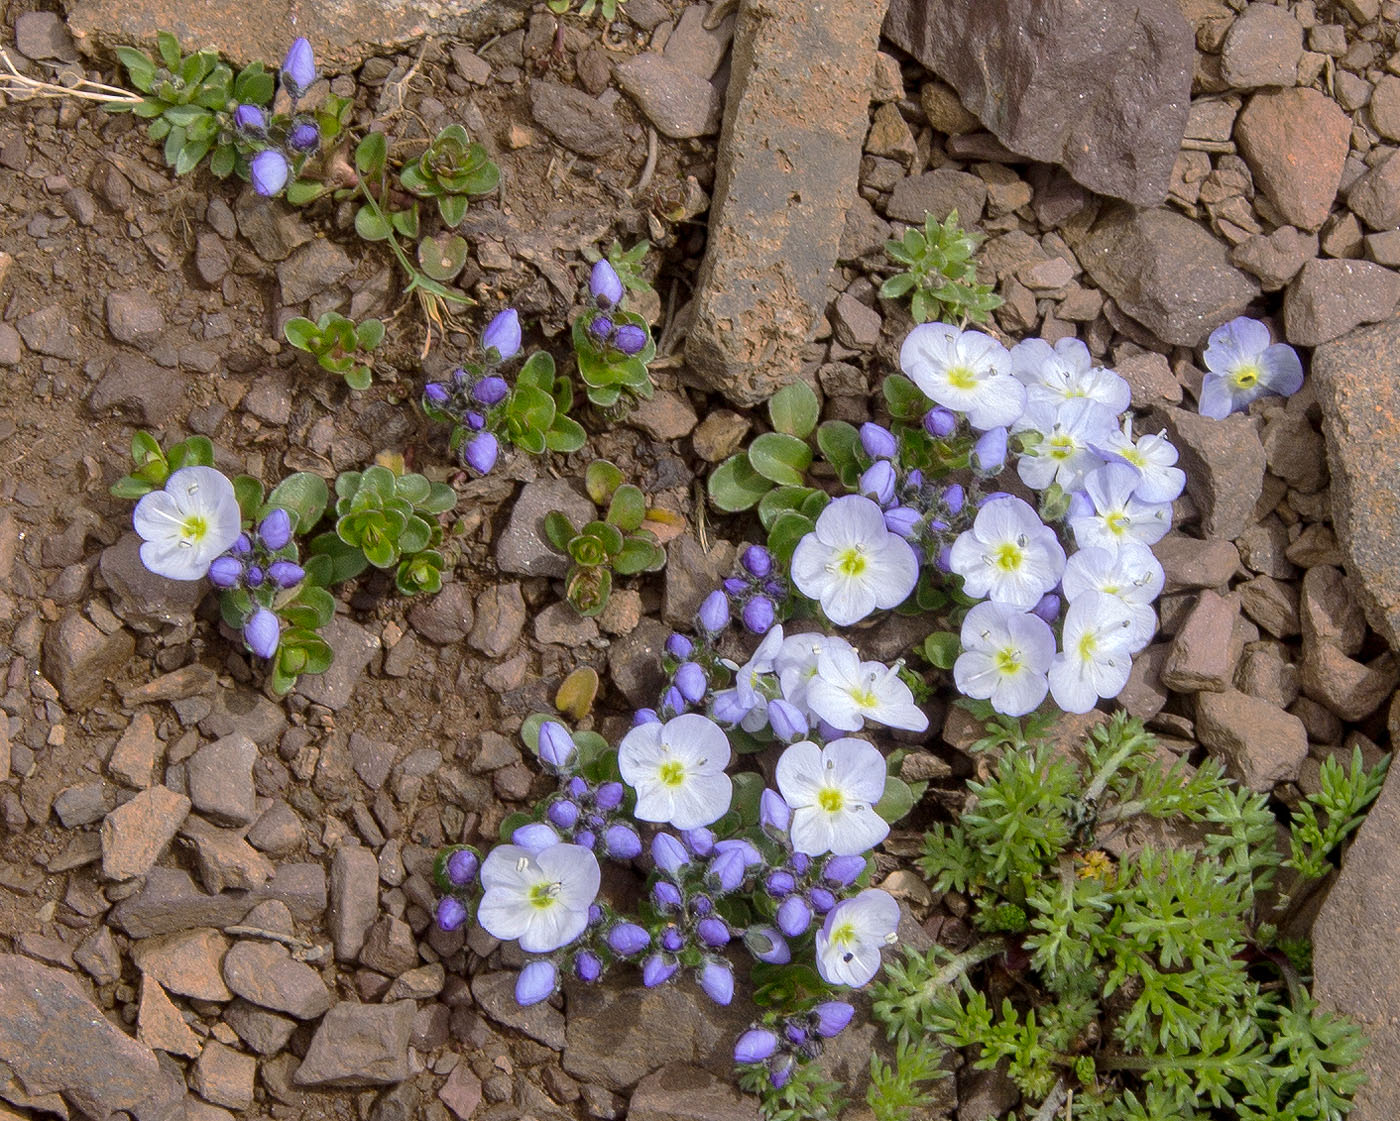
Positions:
(940, 276)
(808, 1096)
(1153, 985)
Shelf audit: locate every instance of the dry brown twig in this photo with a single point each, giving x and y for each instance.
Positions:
(22, 87)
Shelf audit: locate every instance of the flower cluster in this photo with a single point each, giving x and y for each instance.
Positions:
(260, 565)
(188, 523)
(283, 141)
(472, 399)
(604, 329)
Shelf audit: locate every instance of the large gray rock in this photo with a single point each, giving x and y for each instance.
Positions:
(1328, 298)
(1354, 378)
(522, 547)
(789, 156)
(1097, 86)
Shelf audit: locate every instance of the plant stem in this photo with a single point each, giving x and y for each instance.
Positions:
(961, 963)
(1053, 1100)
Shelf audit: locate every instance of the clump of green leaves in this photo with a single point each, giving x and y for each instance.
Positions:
(1151, 983)
(339, 345)
(451, 169)
(619, 542)
(897, 1090)
(808, 1096)
(151, 466)
(939, 276)
(608, 8)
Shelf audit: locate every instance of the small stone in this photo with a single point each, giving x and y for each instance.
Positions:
(1149, 376)
(133, 760)
(265, 1032)
(269, 399)
(144, 601)
(354, 899)
(80, 660)
(461, 1093)
(1271, 604)
(495, 995)
(99, 956)
(560, 623)
(224, 1076)
(84, 804)
(522, 546)
(681, 1092)
(211, 258)
(137, 389)
(134, 317)
(160, 1025)
(1201, 655)
(890, 136)
(1330, 297)
(1145, 696)
(857, 325)
(422, 983)
(221, 780)
(47, 331)
(1295, 142)
(224, 858)
(938, 193)
(470, 66)
(666, 415)
(700, 49)
(1190, 562)
(1275, 258)
(719, 434)
(500, 618)
(41, 35)
(272, 230)
(135, 834)
(1262, 48)
(1328, 611)
(390, 947)
(1375, 196)
(278, 831)
(312, 269)
(265, 974)
(578, 122)
(1351, 689)
(354, 646)
(1263, 673)
(639, 679)
(359, 1045)
(679, 102)
(444, 619)
(1259, 743)
(188, 962)
(1295, 451)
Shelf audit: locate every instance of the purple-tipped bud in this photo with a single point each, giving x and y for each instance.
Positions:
(699, 840)
(586, 838)
(746, 850)
(605, 285)
(989, 453)
(534, 837)
(657, 970)
(563, 815)
(627, 938)
(645, 716)
(1048, 608)
(588, 967)
(717, 980)
(781, 1073)
(877, 482)
(944, 560)
(451, 913)
(436, 393)
(727, 870)
(774, 814)
(842, 871)
(462, 867)
(757, 561)
(903, 520)
(799, 862)
(268, 171)
(666, 895)
(832, 1017)
(275, 530)
(630, 339)
(828, 731)
(490, 391)
(954, 498)
(940, 422)
(250, 119)
(673, 701)
(608, 796)
(915, 479)
(285, 574)
(595, 914)
(755, 1045)
(821, 900)
(767, 945)
(254, 576)
(679, 646)
(794, 916)
(242, 545)
(690, 680)
(796, 1033)
(713, 932)
(787, 721)
(537, 982)
(713, 616)
(304, 137)
(481, 452)
(670, 855)
(577, 787)
(877, 441)
(502, 334)
(473, 420)
(672, 940)
(262, 633)
(759, 615)
(601, 328)
(734, 587)
(622, 843)
(225, 571)
(299, 68)
(780, 883)
(1080, 506)
(701, 905)
(556, 745)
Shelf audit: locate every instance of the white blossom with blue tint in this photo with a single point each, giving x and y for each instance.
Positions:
(852, 564)
(186, 525)
(833, 791)
(1244, 365)
(1154, 456)
(855, 931)
(677, 770)
(1065, 372)
(1119, 514)
(846, 692)
(1006, 656)
(1064, 453)
(539, 899)
(1130, 574)
(1097, 652)
(964, 370)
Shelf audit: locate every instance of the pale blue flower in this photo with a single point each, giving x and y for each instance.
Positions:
(539, 899)
(846, 692)
(1009, 555)
(966, 371)
(1097, 655)
(1006, 655)
(833, 791)
(1244, 366)
(852, 564)
(852, 936)
(1131, 574)
(1064, 453)
(503, 334)
(1152, 455)
(1064, 372)
(746, 704)
(1119, 514)
(188, 523)
(677, 770)
(796, 664)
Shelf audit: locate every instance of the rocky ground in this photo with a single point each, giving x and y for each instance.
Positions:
(241, 884)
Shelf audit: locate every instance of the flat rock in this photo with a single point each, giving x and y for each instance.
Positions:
(1166, 271)
(135, 388)
(1190, 562)
(1354, 380)
(47, 331)
(1201, 656)
(221, 780)
(136, 833)
(1329, 612)
(681, 1092)
(354, 646)
(80, 660)
(522, 547)
(142, 600)
(133, 759)
(42, 35)
(495, 995)
(1330, 297)
(171, 902)
(634, 662)
(580, 123)
(500, 619)
(939, 193)
(1295, 142)
(224, 1076)
(788, 164)
(159, 1024)
(1100, 88)
(1375, 196)
(679, 102)
(354, 899)
(316, 266)
(265, 974)
(1275, 258)
(359, 1045)
(188, 962)
(1351, 689)
(265, 1032)
(1262, 48)
(1224, 464)
(446, 617)
(1259, 743)
(224, 858)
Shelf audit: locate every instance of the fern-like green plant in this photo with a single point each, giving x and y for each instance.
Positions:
(939, 274)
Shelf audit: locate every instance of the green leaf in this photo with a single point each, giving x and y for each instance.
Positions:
(415, 536)
(312, 607)
(610, 536)
(782, 458)
(558, 530)
(453, 209)
(222, 161)
(794, 410)
(128, 486)
(199, 451)
(254, 85)
(346, 561)
(249, 493)
(788, 529)
(735, 486)
(538, 372)
(942, 649)
(174, 141)
(139, 67)
(628, 508)
(565, 435)
(303, 495)
(777, 500)
(169, 48)
(897, 800)
(371, 154)
(897, 285)
(838, 442)
(601, 479)
(405, 221)
(906, 400)
(412, 488)
(370, 226)
(301, 191)
(190, 155)
(638, 555)
(441, 498)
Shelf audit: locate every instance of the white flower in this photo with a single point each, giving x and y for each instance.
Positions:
(1132, 574)
(852, 563)
(1068, 433)
(1064, 372)
(833, 791)
(1006, 654)
(796, 664)
(963, 370)
(846, 691)
(188, 524)
(677, 769)
(1153, 455)
(539, 898)
(1009, 555)
(1096, 658)
(745, 704)
(855, 931)
(1119, 515)
(1244, 366)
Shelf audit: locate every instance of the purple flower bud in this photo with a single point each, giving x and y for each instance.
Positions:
(759, 615)
(989, 453)
(690, 680)
(795, 1032)
(657, 970)
(832, 1017)
(729, 707)
(601, 328)
(627, 938)
(537, 982)
(673, 700)
(250, 119)
(480, 453)
(915, 479)
(699, 840)
(780, 883)
(604, 284)
(821, 900)
(474, 420)
(242, 545)
(755, 1045)
(594, 821)
(268, 171)
(436, 393)
(799, 862)
(304, 137)
(503, 335)
(757, 561)
(877, 441)
(534, 837)
(622, 843)
(608, 796)
(794, 916)
(1048, 608)
(1080, 506)
(734, 587)
(944, 560)
(713, 616)
(262, 632)
(940, 422)
(254, 576)
(842, 871)
(285, 574)
(645, 716)
(679, 646)
(275, 530)
(672, 940)
(451, 913)
(630, 339)
(595, 914)
(903, 520)
(586, 838)
(462, 867)
(701, 905)
(713, 932)
(877, 482)
(746, 850)
(225, 571)
(490, 391)
(460, 377)
(588, 966)
(556, 745)
(717, 980)
(666, 895)
(577, 787)
(954, 498)
(727, 870)
(670, 855)
(788, 723)
(298, 68)
(781, 1073)
(828, 731)
(563, 815)
(767, 945)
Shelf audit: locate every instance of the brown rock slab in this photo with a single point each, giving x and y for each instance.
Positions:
(224, 858)
(359, 1045)
(1329, 612)
(189, 962)
(1259, 743)
(1295, 142)
(788, 161)
(170, 902)
(681, 1092)
(354, 899)
(159, 1024)
(1375, 196)
(1190, 562)
(133, 760)
(679, 102)
(79, 659)
(1351, 689)
(221, 780)
(1224, 463)
(224, 1076)
(136, 833)
(1201, 656)
(1330, 297)
(1262, 48)
(265, 974)
(500, 618)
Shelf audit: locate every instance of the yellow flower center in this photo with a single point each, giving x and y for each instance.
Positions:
(672, 773)
(851, 562)
(1060, 447)
(844, 934)
(865, 698)
(962, 377)
(1135, 457)
(1245, 377)
(193, 529)
(1008, 557)
(1008, 660)
(830, 799)
(1088, 644)
(543, 895)
(1116, 523)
